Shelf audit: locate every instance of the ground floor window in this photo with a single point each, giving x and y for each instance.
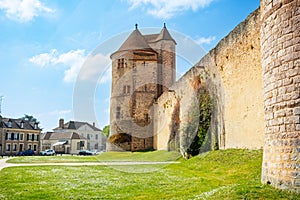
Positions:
(8, 146)
(34, 147)
(80, 145)
(21, 147)
(29, 146)
(96, 146)
(15, 147)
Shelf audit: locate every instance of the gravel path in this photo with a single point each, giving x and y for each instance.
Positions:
(4, 164)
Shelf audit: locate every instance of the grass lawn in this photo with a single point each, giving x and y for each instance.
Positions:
(229, 174)
(107, 156)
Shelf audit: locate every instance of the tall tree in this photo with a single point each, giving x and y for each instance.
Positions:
(105, 131)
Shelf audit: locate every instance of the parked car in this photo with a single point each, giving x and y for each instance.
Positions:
(85, 152)
(48, 152)
(27, 152)
(95, 152)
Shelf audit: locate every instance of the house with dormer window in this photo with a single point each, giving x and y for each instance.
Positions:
(17, 135)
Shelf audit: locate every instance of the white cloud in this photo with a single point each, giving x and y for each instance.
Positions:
(24, 10)
(204, 40)
(93, 68)
(60, 112)
(96, 68)
(166, 9)
(73, 60)
(44, 59)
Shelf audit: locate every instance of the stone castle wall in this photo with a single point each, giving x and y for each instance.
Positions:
(253, 77)
(232, 71)
(280, 41)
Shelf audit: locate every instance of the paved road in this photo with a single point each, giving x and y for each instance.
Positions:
(4, 164)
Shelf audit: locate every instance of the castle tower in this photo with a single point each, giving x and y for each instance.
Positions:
(142, 69)
(280, 46)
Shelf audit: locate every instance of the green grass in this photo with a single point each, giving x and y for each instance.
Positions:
(52, 159)
(229, 174)
(139, 156)
(103, 157)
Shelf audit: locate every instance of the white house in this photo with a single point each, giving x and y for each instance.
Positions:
(63, 142)
(93, 135)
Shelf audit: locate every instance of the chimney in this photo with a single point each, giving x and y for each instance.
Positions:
(93, 124)
(61, 123)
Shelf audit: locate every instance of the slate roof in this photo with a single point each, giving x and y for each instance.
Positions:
(151, 37)
(61, 136)
(74, 125)
(137, 41)
(46, 136)
(16, 124)
(165, 35)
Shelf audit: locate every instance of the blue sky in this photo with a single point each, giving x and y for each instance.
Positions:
(45, 44)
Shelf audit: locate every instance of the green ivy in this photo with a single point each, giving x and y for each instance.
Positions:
(200, 117)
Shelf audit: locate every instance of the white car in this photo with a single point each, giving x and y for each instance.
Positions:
(48, 152)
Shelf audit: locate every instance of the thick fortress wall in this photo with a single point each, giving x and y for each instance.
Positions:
(280, 44)
(232, 72)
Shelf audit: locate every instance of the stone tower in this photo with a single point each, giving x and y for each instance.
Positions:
(280, 47)
(142, 69)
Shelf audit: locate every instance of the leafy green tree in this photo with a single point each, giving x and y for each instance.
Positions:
(29, 118)
(105, 131)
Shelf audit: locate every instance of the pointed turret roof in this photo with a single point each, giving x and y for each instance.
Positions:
(135, 41)
(165, 35)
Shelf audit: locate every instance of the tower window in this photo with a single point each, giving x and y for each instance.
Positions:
(118, 113)
(126, 89)
(121, 63)
(146, 116)
(134, 68)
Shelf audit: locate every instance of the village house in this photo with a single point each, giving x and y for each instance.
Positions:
(88, 134)
(63, 142)
(17, 135)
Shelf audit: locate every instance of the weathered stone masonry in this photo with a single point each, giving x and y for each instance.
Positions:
(280, 42)
(253, 76)
(142, 69)
(232, 72)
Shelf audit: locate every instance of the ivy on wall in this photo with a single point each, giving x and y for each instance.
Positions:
(173, 143)
(195, 133)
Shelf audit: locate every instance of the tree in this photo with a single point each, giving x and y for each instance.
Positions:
(105, 131)
(29, 118)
